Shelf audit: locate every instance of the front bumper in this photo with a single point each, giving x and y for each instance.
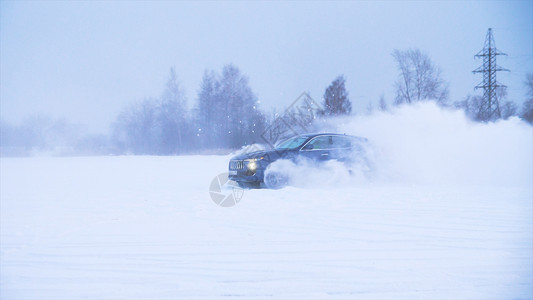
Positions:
(246, 178)
(239, 171)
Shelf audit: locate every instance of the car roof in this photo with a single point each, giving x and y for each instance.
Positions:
(322, 133)
(313, 135)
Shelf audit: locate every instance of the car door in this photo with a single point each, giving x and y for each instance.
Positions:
(318, 148)
(341, 148)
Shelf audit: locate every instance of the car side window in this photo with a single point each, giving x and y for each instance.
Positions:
(321, 143)
(341, 142)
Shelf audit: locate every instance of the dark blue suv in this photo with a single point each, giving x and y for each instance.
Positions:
(248, 169)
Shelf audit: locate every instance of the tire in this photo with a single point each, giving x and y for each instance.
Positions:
(275, 180)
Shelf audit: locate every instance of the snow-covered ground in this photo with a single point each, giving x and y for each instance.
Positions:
(438, 223)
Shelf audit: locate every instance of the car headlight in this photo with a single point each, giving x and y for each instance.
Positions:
(252, 163)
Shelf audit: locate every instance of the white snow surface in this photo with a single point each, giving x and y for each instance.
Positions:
(446, 213)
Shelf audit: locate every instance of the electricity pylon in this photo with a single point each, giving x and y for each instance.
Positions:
(490, 106)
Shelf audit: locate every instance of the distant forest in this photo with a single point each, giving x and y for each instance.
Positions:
(226, 114)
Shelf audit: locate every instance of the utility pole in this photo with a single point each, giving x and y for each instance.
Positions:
(490, 106)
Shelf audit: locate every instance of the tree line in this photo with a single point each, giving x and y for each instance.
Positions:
(226, 114)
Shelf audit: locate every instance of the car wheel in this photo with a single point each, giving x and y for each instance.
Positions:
(275, 180)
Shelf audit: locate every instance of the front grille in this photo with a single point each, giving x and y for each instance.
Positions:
(236, 164)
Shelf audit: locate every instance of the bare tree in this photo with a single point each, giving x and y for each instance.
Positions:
(509, 109)
(419, 78)
(527, 108)
(369, 108)
(382, 103)
(208, 110)
(135, 129)
(470, 105)
(39, 132)
(529, 85)
(172, 118)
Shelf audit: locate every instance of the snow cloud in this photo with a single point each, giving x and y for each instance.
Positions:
(427, 144)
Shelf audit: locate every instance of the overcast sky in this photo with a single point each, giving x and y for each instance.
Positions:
(86, 61)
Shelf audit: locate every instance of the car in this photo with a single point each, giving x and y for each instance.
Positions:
(250, 169)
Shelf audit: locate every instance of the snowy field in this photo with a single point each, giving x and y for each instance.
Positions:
(434, 221)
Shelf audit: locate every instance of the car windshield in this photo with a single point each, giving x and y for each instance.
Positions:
(291, 143)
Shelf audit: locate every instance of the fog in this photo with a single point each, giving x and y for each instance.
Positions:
(445, 212)
(84, 62)
(126, 114)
